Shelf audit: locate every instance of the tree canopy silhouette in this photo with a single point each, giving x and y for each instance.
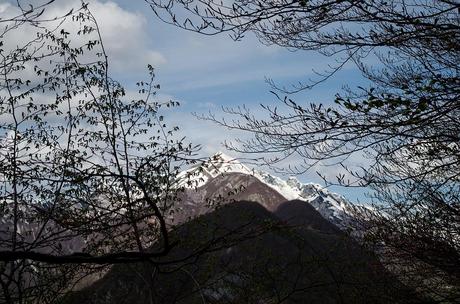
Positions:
(87, 173)
(405, 123)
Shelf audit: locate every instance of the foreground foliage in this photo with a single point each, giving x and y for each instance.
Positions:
(403, 127)
(87, 173)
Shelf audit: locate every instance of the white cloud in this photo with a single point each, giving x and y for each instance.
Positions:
(4, 7)
(125, 36)
(124, 33)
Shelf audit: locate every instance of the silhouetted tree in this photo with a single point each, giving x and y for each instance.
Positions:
(87, 173)
(405, 124)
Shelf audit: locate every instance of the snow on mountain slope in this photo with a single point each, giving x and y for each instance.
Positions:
(217, 164)
(331, 206)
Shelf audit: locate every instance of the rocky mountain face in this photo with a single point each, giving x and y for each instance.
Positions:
(223, 179)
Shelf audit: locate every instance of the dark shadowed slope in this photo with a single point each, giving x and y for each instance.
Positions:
(246, 254)
(299, 213)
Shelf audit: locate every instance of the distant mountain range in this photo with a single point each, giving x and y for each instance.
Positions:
(222, 174)
(245, 236)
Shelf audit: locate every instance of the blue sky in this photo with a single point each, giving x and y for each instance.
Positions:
(205, 73)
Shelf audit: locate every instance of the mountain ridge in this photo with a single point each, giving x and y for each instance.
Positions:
(332, 206)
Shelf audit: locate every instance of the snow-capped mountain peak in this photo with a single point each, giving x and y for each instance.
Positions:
(223, 163)
(216, 165)
(332, 206)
